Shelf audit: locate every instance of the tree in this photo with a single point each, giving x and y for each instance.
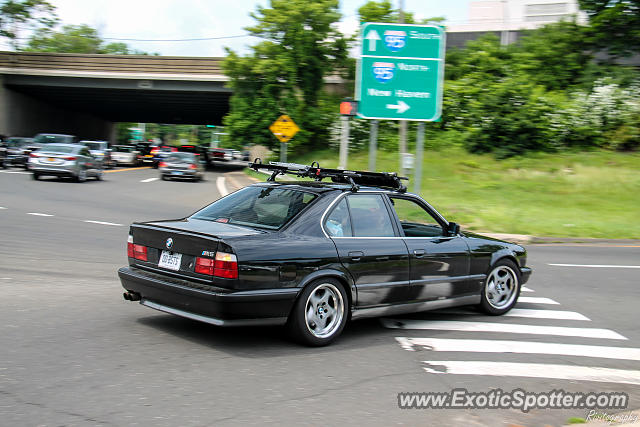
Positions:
(285, 72)
(15, 15)
(554, 55)
(75, 39)
(614, 25)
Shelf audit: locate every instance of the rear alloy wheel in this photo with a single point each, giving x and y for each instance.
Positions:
(35, 176)
(320, 313)
(501, 289)
(98, 175)
(82, 175)
(164, 177)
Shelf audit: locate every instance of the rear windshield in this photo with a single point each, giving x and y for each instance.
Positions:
(48, 139)
(94, 145)
(55, 148)
(260, 207)
(180, 157)
(121, 149)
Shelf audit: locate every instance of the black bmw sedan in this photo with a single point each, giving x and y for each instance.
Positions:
(311, 255)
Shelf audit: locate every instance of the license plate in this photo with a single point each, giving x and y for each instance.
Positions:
(170, 260)
(177, 173)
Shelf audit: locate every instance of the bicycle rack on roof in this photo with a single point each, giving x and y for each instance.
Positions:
(387, 180)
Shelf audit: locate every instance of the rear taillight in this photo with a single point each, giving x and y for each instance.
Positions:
(204, 266)
(193, 167)
(226, 266)
(130, 246)
(34, 155)
(69, 158)
(162, 164)
(138, 252)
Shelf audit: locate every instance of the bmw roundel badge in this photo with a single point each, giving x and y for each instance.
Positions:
(169, 243)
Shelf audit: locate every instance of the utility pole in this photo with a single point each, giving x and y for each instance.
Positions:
(344, 142)
(402, 133)
(504, 34)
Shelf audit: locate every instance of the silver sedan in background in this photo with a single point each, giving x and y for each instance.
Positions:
(65, 160)
(181, 165)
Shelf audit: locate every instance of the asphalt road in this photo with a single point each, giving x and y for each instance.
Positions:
(73, 352)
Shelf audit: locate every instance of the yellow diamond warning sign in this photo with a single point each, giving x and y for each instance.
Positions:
(284, 128)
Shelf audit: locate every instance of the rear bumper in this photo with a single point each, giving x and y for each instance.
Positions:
(60, 171)
(525, 273)
(218, 306)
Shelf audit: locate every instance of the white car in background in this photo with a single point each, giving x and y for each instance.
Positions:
(125, 155)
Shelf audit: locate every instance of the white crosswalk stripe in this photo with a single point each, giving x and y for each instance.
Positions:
(533, 370)
(546, 314)
(523, 347)
(538, 300)
(504, 328)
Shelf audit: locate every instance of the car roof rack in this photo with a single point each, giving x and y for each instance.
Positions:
(387, 180)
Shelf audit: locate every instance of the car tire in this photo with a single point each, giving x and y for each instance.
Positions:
(98, 176)
(320, 313)
(35, 176)
(82, 175)
(501, 288)
(164, 177)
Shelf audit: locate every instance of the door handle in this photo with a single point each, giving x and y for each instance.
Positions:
(419, 253)
(356, 255)
(382, 258)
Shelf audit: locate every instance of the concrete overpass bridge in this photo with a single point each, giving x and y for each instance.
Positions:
(85, 95)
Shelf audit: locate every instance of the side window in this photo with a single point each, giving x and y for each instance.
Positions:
(415, 220)
(370, 216)
(85, 152)
(338, 223)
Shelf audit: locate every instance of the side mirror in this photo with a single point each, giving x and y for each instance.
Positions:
(453, 229)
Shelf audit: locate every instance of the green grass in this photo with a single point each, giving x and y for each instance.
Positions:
(585, 194)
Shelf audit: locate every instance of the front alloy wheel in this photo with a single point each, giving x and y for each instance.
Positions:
(501, 289)
(320, 313)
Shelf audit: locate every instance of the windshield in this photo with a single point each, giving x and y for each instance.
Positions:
(56, 148)
(257, 207)
(48, 139)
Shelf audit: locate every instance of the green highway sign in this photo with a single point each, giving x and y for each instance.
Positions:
(400, 72)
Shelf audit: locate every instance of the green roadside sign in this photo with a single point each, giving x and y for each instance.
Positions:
(400, 72)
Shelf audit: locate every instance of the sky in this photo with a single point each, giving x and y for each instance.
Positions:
(189, 19)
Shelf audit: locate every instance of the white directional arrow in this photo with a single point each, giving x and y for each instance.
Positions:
(372, 36)
(401, 106)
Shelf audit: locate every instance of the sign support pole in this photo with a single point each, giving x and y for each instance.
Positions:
(373, 145)
(417, 176)
(403, 123)
(344, 142)
(283, 152)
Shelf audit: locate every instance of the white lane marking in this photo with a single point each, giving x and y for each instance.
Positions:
(20, 172)
(503, 328)
(522, 347)
(38, 214)
(538, 300)
(222, 188)
(103, 223)
(546, 314)
(525, 289)
(533, 370)
(6, 278)
(2, 207)
(596, 265)
(149, 179)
